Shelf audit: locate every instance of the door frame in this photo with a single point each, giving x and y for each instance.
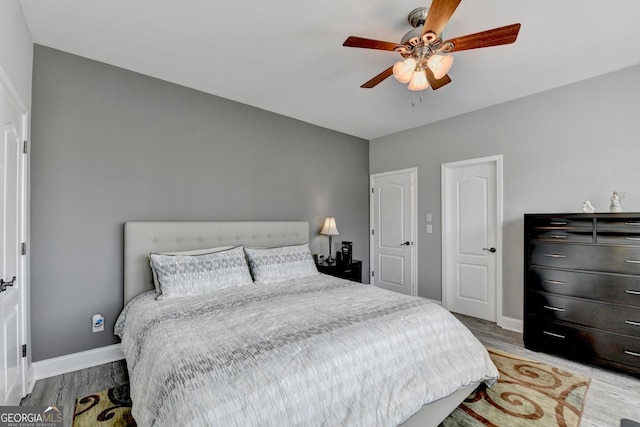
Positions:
(414, 224)
(497, 160)
(27, 380)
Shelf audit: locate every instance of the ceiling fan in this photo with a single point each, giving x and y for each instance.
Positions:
(426, 56)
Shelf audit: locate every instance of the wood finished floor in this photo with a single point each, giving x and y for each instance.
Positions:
(611, 397)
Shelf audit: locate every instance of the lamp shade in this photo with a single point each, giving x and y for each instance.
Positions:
(440, 65)
(418, 81)
(402, 70)
(329, 228)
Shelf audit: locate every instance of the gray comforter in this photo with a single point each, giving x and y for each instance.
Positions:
(318, 351)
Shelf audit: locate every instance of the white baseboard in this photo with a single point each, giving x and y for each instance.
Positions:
(31, 381)
(511, 324)
(73, 362)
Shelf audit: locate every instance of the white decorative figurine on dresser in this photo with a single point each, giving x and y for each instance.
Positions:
(615, 202)
(587, 207)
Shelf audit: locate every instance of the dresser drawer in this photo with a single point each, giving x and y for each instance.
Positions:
(561, 229)
(583, 344)
(612, 288)
(607, 317)
(576, 236)
(618, 232)
(625, 260)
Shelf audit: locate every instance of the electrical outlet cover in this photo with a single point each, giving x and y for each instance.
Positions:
(97, 323)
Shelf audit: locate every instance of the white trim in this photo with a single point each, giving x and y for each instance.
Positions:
(76, 361)
(414, 224)
(434, 301)
(4, 77)
(31, 381)
(497, 159)
(512, 324)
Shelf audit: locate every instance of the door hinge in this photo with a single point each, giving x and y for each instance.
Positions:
(24, 147)
(371, 190)
(24, 350)
(373, 273)
(23, 249)
(372, 232)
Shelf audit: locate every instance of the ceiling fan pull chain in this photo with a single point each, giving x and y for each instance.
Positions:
(413, 99)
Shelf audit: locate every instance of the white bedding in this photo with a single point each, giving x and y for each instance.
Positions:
(317, 351)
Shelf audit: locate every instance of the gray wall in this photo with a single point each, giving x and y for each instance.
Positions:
(561, 147)
(110, 145)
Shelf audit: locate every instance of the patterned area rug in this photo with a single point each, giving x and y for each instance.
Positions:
(108, 408)
(529, 393)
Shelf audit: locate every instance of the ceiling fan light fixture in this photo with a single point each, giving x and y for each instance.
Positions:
(440, 65)
(403, 70)
(418, 81)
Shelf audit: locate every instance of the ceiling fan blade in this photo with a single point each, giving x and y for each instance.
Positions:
(379, 78)
(495, 37)
(436, 84)
(353, 41)
(439, 14)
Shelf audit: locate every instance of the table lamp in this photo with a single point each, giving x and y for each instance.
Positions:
(330, 229)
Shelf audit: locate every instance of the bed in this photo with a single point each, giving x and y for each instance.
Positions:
(311, 350)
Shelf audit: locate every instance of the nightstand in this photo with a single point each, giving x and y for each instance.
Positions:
(351, 271)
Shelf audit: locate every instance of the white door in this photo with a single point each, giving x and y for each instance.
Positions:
(12, 264)
(393, 249)
(471, 237)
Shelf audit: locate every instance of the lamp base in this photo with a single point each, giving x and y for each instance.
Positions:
(330, 260)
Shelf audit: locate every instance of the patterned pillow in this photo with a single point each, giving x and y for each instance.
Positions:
(270, 265)
(189, 252)
(184, 275)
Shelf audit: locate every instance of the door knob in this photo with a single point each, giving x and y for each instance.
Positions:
(407, 243)
(492, 250)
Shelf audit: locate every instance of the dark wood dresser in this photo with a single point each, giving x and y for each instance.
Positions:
(582, 287)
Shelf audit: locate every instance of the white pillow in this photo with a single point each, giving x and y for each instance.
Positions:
(271, 265)
(186, 275)
(189, 252)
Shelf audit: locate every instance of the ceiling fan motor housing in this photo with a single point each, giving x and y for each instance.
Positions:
(417, 17)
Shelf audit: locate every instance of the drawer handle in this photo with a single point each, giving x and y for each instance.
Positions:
(554, 335)
(558, 236)
(632, 353)
(562, 256)
(632, 238)
(631, 322)
(632, 223)
(629, 291)
(554, 282)
(550, 307)
(633, 261)
(558, 223)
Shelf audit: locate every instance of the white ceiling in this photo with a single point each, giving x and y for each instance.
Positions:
(286, 56)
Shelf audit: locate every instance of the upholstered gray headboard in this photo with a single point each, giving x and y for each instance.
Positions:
(143, 237)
